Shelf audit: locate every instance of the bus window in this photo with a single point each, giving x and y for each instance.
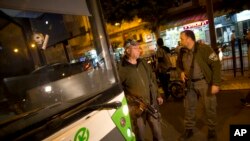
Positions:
(58, 74)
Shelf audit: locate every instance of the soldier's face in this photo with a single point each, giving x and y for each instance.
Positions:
(134, 51)
(184, 39)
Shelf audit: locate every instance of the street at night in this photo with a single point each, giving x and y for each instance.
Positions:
(97, 70)
(230, 111)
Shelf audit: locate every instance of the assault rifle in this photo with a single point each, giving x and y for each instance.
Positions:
(144, 106)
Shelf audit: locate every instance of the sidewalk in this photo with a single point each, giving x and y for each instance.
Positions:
(230, 111)
(229, 82)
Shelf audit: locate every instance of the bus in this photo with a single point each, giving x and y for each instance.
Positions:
(58, 75)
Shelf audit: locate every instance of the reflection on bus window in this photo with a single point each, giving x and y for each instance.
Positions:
(69, 67)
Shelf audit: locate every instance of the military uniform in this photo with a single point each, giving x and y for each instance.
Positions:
(202, 71)
(136, 80)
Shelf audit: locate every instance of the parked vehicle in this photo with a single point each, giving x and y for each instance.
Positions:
(176, 86)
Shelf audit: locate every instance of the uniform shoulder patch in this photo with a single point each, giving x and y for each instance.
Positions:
(213, 56)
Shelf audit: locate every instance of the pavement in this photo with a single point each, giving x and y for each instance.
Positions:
(240, 82)
(229, 111)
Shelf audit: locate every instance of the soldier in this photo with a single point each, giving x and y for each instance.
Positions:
(199, 68)
(139, 83)
(163, 64)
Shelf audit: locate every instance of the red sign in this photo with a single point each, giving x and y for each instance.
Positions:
(196, 24)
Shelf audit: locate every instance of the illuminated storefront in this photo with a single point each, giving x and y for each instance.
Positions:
(171, 33)
(243, 22)
(171, 36)
(224, 25)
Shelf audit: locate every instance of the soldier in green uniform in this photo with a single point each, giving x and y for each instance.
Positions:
(137, 80)
(199, 68)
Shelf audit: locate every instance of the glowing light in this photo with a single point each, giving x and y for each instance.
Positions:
(117, 24)
(218, 25)
(63, 74)
(47, 89)
(33, 45)
(242, 16)
(220, 54)
(129, 132)
(16, 50)
(46, 22)
(125, 110)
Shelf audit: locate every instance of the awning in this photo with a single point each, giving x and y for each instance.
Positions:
(186, 20)
(182, 20)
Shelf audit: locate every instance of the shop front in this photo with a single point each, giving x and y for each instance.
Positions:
(243, 22)
(171, 36)
(224, 26)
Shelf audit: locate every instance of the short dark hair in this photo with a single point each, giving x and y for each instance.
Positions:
(159, 42)
(190, 34)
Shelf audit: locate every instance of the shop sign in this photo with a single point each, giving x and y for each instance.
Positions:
(196, 24)
(242, 16)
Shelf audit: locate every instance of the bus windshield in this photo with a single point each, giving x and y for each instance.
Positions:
(50, 61)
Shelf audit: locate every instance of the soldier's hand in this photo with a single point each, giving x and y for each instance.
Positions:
(183, 77)
(215, 89)
(160, 100)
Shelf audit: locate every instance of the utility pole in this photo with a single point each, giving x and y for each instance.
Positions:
(210, 15)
